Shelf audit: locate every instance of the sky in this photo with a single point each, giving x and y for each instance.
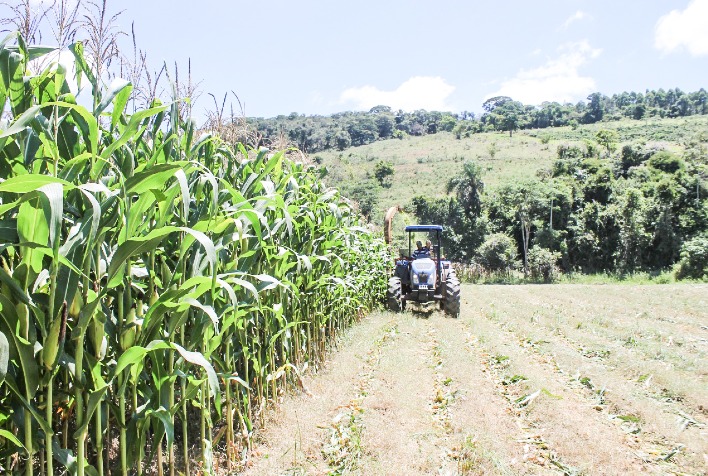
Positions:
(327, 56)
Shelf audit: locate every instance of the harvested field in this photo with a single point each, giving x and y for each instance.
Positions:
(564, 379)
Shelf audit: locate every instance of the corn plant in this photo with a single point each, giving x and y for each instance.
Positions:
(158, 287)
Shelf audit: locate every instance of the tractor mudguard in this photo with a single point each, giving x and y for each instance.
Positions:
(402, 271)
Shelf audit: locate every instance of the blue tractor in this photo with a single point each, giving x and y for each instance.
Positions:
(423, 279)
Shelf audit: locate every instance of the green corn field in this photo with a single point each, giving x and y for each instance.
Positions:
(159, 288)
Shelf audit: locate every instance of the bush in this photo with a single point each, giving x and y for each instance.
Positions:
(634, 155)
(365, 193)
(543, 264)
(666, 162)
(343, 140)
(498, 252)
(693, 261)
(399, 134)
(569, 151)
(383, 171)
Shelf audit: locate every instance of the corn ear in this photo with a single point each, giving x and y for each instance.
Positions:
(4, 356)
(76, 305)
(50, 348)
(127, 337)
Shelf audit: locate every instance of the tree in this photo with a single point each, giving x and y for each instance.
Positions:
(511, 113)
(492, 103)
(519, 209)
(607, 139)
(694, 258)
(543, 264)
(380, 110)
(384, 125)
(343, 140)
(447, 123)
(633, 237)
(383, 171)
(365, 194)
(462, 237)
(468, 187)
(666, 162)
(595, 110)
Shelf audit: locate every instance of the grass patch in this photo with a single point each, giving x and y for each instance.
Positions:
(629, 279)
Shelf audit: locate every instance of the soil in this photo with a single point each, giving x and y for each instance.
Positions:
(563, 379)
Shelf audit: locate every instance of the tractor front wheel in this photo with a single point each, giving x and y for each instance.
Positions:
(393, 295)
(451, 299)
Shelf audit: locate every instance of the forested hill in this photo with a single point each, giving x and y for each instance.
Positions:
(339, 131)
(618, 197)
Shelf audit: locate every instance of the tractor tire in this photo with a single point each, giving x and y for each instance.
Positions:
(393, 295)
(451, 298)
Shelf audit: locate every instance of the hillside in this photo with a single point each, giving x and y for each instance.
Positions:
(423, 165)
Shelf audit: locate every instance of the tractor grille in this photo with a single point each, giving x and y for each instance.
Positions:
(423, 277)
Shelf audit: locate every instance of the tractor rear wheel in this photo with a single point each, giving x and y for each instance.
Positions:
(451, 299)
(393, 295)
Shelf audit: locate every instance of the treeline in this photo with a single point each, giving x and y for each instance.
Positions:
(350, 129)
(600, 208)
(502, 113)
(339, 131)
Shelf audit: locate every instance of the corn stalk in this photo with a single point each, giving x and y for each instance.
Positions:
(154, 277)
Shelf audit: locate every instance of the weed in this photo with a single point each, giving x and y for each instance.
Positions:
(468, 456)
(513, 379)
(630, 341)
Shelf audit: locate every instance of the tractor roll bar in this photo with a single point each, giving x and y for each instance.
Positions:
(437, 229)
(424, 228)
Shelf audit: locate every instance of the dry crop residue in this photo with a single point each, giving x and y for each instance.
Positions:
(558, 379)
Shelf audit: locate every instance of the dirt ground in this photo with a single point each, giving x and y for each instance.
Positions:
(564, 379)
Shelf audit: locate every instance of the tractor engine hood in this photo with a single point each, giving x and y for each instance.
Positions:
(424, 270)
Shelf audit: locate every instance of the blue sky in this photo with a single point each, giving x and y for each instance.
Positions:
(321, 57)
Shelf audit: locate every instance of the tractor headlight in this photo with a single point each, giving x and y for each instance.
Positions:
(415, 278)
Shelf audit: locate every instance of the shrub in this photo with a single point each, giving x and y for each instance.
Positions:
(365, 194)
(666, 162)
(543, 264)
(383, 171)
(343, 140)
(632, 156)
(399, 134)
(568, 151)
(498, 252)
(693, 261)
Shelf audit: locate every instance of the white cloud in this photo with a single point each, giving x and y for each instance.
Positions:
(577, 16)
(418, 92)
(684, 28)
(557, 80)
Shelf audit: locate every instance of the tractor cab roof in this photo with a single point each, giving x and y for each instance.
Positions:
(414, 228)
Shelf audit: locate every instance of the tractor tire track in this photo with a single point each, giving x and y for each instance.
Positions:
(662, 425)
(553, 414)
(483, 426)
(400, 434)
(300, 428)
(651, 427)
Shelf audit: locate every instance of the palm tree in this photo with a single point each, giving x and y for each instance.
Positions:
(469, 188)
